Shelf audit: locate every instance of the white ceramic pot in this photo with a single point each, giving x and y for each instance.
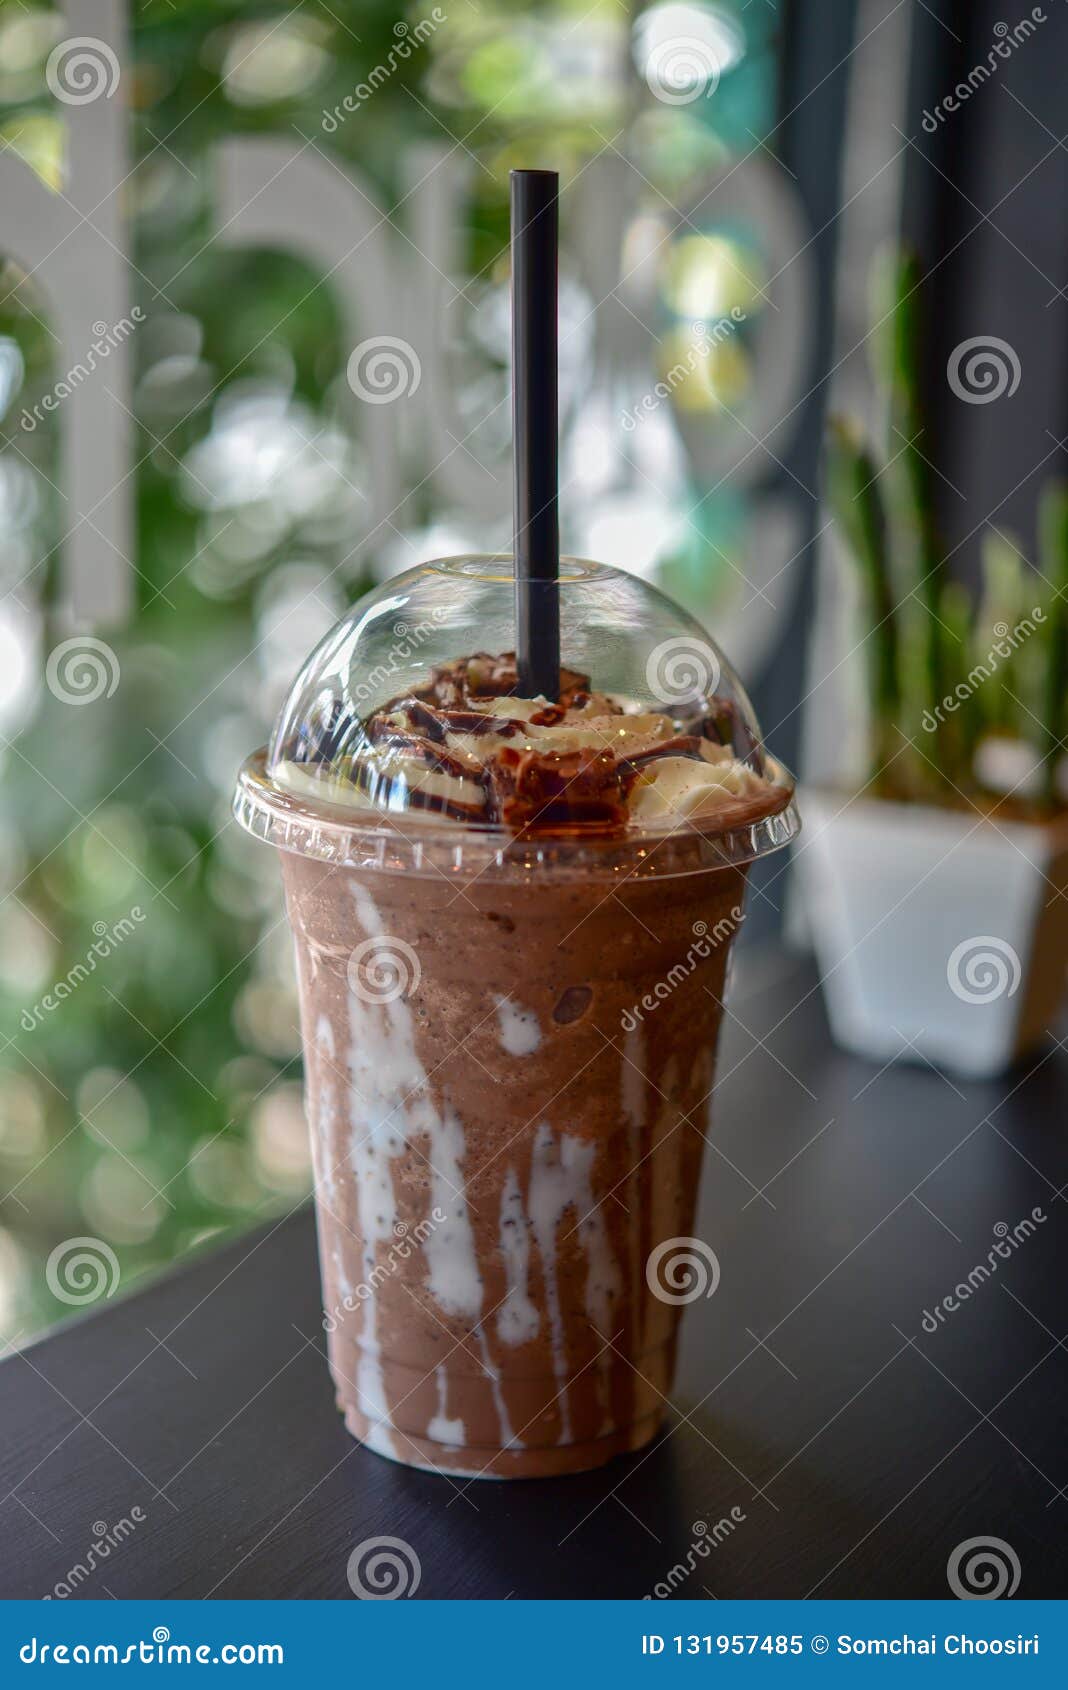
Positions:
(940, 937)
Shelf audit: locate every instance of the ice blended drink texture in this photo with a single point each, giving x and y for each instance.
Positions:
(497, 1112)
(508, 1072)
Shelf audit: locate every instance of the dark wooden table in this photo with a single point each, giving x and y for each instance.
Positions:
(855, 1448)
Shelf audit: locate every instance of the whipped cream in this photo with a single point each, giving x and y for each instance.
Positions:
(590, 763)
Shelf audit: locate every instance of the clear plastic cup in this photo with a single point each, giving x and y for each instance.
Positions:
(510, 1005)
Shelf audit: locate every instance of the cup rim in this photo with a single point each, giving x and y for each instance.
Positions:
(500, 567)
(408, 843)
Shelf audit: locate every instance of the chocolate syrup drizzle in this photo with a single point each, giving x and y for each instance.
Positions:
(563, 793)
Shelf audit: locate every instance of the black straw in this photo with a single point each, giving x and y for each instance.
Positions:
(535, 220)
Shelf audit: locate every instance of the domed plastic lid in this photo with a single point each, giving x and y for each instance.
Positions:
(406, 742)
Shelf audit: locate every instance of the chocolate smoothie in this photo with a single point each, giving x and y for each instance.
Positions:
(509, 1065)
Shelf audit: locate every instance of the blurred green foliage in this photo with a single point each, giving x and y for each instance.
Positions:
(157, 1104)
(947, 678)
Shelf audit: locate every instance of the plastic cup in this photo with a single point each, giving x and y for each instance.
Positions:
(509, 1038)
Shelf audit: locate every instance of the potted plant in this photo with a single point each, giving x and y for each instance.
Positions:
(938, 893)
